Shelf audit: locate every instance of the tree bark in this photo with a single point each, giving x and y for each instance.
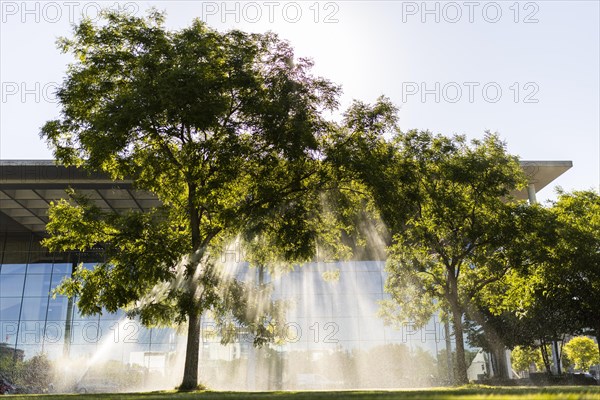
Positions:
(545, 357)
(500, 352)
(192, 352)
(449, 363)
(461, 365)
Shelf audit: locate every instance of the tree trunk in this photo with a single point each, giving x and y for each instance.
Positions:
(449, 363)
(461, 365)
(500, 353)
(192, 352)
(545, 357)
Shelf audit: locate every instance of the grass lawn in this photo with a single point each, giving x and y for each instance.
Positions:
(463, 393)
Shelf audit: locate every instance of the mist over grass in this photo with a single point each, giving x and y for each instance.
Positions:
(469, 392)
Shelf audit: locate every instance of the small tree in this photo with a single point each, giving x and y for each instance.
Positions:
(523, 357)
(583, 352)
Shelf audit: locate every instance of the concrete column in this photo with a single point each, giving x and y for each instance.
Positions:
(531, 193)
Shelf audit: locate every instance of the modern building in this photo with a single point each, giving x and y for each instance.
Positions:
(325, 317)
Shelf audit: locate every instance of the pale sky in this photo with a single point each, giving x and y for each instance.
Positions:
(527, 70)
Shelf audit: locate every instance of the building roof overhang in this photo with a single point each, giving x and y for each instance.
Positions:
(27, 187)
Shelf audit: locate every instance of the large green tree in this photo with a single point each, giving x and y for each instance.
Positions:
(448, 206)
(557, 293)
(571, 274)
(224, 128)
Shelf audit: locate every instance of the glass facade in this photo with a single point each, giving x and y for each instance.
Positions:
(34, 320)
(325, 316)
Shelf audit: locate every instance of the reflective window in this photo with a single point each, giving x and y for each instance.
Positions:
(145, 335)
(30, 333)
(13, 269)
(62, 268)
(370, 282)
(39, 268)
(86, 332)
(8, 331)
(37, 285)
(162, 335)
(34, 308)
(54, 332)
(57, 308)
(11, 285)
(10, 307)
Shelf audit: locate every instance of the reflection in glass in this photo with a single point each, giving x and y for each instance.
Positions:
(11, 285)
(10, 307)
(37, 285)
(39, 268)
(30, 333)
(62, 268)
(57, 308)
(34, 308)
(13, 269)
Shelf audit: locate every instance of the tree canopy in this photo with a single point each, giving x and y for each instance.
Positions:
(448, 206)
(583, 352)
(554, 294)
(225, 129)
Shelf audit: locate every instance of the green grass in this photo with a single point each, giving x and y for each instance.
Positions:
(463, 393)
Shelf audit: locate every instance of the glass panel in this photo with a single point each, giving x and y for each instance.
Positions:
(11, 285)
(57, 308)
(369, 282)
(8, 332)
(145, 335)
(162, 336)
(63, 268)
(13, 269)
(37, 285)
(109, 330)
(85, 332)
(34, 308)
(10, 307)
(54, 333)
(41, 268)
(30, 333)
